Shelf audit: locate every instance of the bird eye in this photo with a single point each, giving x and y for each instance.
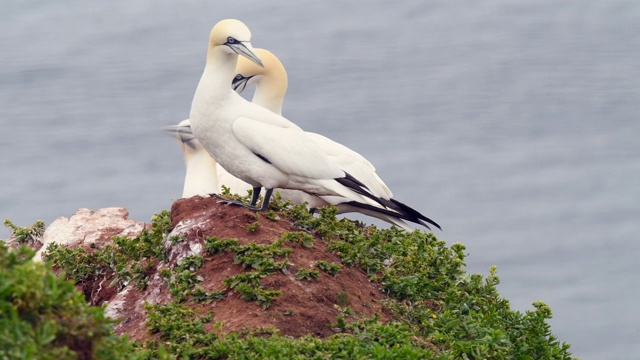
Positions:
(231, 40)
(239, 77)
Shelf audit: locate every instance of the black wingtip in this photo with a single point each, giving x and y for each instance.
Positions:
(356, 185)
(392, 207)
(408, 214)
(424, 223)
(406, 208)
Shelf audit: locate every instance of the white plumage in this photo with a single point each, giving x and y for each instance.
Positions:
(271, 86)
(252, 143)
(203, 176)
(265, 149)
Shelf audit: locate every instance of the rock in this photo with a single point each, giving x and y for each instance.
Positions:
(88, 227)
(303, 307)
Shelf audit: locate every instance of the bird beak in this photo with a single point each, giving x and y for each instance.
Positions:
(240, 84)
(182, 132)
(245, 49)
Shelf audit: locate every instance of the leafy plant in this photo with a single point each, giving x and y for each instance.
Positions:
(307, 274)
(43, 316)
(272, 215)
(200, 295)
(213, 245)
(261, 257)
(191, 263)
(298, 237)
(123, 261)
(263, 297)
(28, 234)
(330, 268)
(175, 322)
(248, 285)
(253, 227)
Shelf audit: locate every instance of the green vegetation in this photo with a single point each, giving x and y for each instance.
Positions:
(330, 268)
(307, 274)
(213, 245)
(43, 317)
(123, 261)
(298, 237)
(439, 310)
(272, 215)
(28, 234)
(343, 299)
(253, 227)
(262, 260)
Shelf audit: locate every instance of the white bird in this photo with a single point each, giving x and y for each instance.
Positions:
(203, 173)
(261, 147)
(271, 86)
(252, 143)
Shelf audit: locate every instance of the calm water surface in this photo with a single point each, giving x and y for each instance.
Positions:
(513, 124)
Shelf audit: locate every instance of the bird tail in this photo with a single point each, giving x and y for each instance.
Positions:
(389, 207)
(394, 216)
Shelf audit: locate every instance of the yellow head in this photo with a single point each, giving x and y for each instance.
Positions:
(271, 80)
(233, 36)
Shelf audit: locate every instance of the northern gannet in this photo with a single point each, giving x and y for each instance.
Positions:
(254, 144)
(271, 86)
(204, 175)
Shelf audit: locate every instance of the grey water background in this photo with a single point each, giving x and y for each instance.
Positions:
(514, 124)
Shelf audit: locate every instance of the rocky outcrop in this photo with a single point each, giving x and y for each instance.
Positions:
(304, 306)
(90, 228)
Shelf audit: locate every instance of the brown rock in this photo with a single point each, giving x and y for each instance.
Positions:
(305, 307)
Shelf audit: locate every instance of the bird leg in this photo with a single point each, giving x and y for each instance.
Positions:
(265, 202)
(256, 193)
(267, 197)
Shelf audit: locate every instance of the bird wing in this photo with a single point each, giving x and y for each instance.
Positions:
(353, 163)
(288, 149)
(341, 153)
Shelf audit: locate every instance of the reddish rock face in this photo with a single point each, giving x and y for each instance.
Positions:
(305, 306)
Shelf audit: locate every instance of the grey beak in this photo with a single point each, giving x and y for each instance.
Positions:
(245, 49)
(183, 132)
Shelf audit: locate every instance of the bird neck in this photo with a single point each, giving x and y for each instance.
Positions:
(201, 174)
(219, 69)
(269, 96)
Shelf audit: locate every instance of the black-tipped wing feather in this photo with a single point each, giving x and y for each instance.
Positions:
(392, 207)
(357, 186)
